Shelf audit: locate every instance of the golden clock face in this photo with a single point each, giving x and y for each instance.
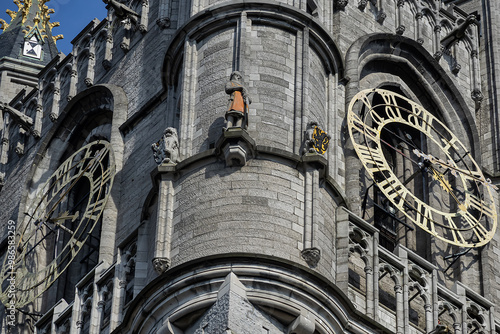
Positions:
(422, 168)
(58, 223)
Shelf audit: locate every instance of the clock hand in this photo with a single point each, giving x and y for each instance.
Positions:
(447, 187)
(455, 170)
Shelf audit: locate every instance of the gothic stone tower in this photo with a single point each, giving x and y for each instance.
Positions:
(147, 203)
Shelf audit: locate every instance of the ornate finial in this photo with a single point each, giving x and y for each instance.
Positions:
(41, 18)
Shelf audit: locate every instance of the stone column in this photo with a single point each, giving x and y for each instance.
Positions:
(143, 24)
(418, 22)
(400, 29)
(188, 98)
(438, 53)
(164, 225)
(108, 48)
(400, 315)
(369, 292)
(376, 273)
(89, 78)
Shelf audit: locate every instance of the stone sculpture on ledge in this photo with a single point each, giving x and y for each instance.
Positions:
(166, 150)
(315, 140)
(237, 111)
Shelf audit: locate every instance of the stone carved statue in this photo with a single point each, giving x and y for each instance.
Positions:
(237, 111)
(458, 33)
(308, 138)
(315, 139)
(122, 12)
(166, 150)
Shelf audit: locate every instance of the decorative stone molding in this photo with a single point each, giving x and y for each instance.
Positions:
(69, 98)
(53, 116)
(164, 22)
(88, 82)
(19, 149)
(311, 256)
(400, 30)
(161, 264)
(438, 55)
(124, 46)
(455, 67)
(381, 16)
(5, 141)
(477, 95)
(122, 284)
(142, 28)
(74, 73)
(302, 325)
(236, 147)
(362, 4)
(106, 64)
(341, 4)
(35, 133)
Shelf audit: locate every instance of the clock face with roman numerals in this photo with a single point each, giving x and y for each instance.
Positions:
(58, 223)
(422, 168)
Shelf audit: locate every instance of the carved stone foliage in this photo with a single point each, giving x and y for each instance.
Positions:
(166, 150)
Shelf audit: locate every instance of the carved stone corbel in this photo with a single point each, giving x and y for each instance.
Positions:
(311, 256)
(163, 22)
(236, 147)
(161, 264)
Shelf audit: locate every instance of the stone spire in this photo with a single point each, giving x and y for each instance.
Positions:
(29, 36)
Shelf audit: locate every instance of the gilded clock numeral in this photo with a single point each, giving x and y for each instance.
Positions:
(393, 189)
(51, 271)
(61, 178)
(480, 205)
(358, 124)
(421, 120)
(478, 229)
(448, 143)
(364, 98)
(74, 246)
(457, 236)
(104, 178)
(424, 219)
(95, 207)
(370, 156)
(391, 105)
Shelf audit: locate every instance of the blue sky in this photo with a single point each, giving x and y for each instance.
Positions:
(73, 15)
